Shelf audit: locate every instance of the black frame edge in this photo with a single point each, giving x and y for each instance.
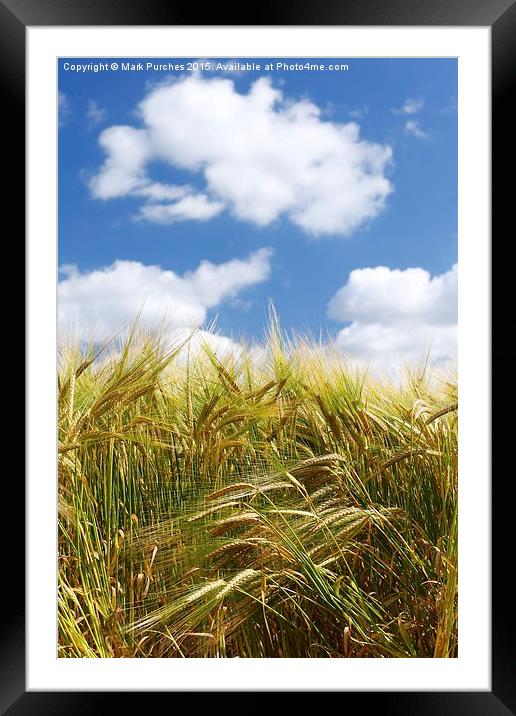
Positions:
(15, 15)
(302, 12)
(503, 38)
(12, 86)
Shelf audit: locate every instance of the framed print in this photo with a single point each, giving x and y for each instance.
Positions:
(258, 282)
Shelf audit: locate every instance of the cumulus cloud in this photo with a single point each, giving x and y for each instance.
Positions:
(412, 105)
(123, 171)
(194, 206)
(260, 155)
(100, 303)
(414, 128)
(396, 315)
(158, 191)
(195, 341)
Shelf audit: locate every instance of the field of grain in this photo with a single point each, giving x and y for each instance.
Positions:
(285, 504)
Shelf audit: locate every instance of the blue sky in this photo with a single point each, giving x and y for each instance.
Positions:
(395, 176)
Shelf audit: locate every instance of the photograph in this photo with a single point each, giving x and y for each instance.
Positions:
(257, 390)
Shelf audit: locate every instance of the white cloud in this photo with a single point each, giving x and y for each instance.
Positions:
(412, 105)
(196, 340)
(95, 114)
(396, 315)
(261, 155)
(195, 206)
(123, 172)
(414, 128)
(163, 192)
(102, 302)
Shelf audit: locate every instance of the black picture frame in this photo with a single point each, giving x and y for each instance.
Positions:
(500, 15)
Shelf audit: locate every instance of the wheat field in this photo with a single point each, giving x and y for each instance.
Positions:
(285, 505)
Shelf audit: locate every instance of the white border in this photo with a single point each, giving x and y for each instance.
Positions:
(472, 669)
